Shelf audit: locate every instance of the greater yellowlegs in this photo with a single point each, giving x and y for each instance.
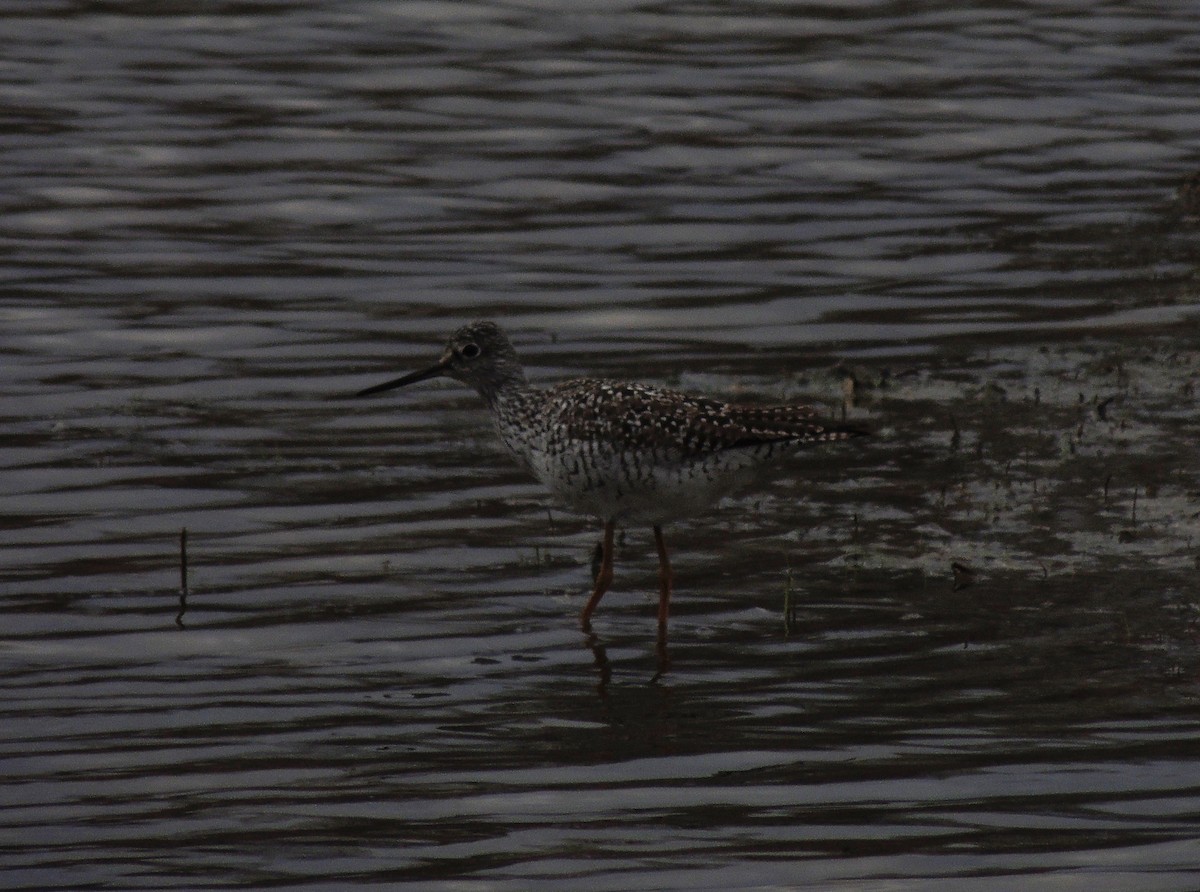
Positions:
(623, 452)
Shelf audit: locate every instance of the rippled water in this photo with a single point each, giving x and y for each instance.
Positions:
(220, 220)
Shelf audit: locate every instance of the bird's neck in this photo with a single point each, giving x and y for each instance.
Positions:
(506, 387)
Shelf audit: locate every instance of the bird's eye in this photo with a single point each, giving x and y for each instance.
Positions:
(470, 351)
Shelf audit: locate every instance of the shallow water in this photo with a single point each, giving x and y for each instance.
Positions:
(216, 225)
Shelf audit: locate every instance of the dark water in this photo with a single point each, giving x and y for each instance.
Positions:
(219, 219)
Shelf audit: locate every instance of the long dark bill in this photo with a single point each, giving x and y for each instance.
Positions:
(410, 378)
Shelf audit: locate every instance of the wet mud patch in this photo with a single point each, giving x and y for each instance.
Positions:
(1049, 458)
(1067, 471)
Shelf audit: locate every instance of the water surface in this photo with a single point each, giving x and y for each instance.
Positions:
(219, 222)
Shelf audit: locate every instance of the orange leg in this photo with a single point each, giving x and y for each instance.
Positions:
(603, 578)
(665, 579)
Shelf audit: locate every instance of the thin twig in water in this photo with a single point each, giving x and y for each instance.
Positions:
(789, 604)
(183, 577)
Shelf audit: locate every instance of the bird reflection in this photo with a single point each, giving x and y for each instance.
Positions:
(603, 665)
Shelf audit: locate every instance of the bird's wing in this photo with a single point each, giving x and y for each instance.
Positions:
(643, 418)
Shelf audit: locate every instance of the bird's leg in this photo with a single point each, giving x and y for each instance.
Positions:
(665, 578)
(603, 578)
(597, 559)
